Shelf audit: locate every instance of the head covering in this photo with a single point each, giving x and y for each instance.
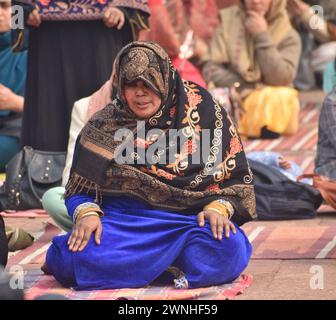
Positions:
(232, 44)
(177, 184)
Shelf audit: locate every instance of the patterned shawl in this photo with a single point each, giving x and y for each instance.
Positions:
(178, 183)
(80, 9)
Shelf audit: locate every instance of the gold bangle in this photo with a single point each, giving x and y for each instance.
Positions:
(92, 213)
(219, 208)
(87, 210)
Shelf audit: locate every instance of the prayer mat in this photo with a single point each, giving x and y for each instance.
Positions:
(37, 284)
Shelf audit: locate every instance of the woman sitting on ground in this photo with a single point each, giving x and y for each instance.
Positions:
(159, 207)
(256, 49)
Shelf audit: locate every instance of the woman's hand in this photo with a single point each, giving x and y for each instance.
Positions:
(34, 19)
(255, 23)
(114, 16)
(82, 232)
(9, 100)
(297, 7)
(218, 223)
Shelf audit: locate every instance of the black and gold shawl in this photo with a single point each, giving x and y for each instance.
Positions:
(170, 179)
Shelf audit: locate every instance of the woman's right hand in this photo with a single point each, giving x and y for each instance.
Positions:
(34, 19)
(82, 231)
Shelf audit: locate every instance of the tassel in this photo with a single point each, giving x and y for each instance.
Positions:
(77, 184)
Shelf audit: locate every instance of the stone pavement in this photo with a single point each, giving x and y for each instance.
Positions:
(291, 279)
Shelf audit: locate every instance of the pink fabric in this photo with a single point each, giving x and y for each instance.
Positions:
(188, 71)
(100, 99)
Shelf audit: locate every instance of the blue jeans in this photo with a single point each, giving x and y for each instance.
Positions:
(9, 146)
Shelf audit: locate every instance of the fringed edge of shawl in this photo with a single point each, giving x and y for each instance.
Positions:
(79, 184)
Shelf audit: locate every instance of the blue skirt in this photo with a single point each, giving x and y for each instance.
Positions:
(138, 244)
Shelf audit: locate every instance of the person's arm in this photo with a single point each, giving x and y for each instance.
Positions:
(314, 23)
(220, 75)
(329, 110)
(78, 120)
(137, 19)
(218, 213)
(320, 33)
(86, 216)
(10, 100)
(278, 64)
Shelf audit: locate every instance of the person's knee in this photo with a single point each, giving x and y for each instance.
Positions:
(52, 200)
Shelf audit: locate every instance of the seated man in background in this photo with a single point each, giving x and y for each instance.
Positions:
(12, 83)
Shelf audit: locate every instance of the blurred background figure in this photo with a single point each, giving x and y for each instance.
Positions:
(72, 46)
(184, 29)
(325, 161)
(256, 49)
(314, 20)
(12, 82)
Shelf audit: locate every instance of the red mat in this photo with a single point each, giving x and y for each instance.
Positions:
(38, 284)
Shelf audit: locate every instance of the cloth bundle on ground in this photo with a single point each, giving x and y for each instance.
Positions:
(280, 198)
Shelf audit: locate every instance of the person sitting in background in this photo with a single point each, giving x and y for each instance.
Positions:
(256, 48)
(325, 162)
(125, 215)
(13, 68)
(319, 47)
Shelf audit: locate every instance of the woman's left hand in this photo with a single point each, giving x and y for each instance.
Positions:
(218, 223)
(114, 16)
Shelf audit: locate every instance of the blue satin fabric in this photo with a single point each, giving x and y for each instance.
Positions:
(138, 244)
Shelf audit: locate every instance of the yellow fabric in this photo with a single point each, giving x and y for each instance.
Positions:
(277, 108)
(231, 43)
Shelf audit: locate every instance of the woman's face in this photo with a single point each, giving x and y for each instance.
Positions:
(259, 6)
(5, 15)
(142, 100)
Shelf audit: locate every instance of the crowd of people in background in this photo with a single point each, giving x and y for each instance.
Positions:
(74, 60)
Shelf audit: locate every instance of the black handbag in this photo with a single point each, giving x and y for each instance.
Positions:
(29, 174)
